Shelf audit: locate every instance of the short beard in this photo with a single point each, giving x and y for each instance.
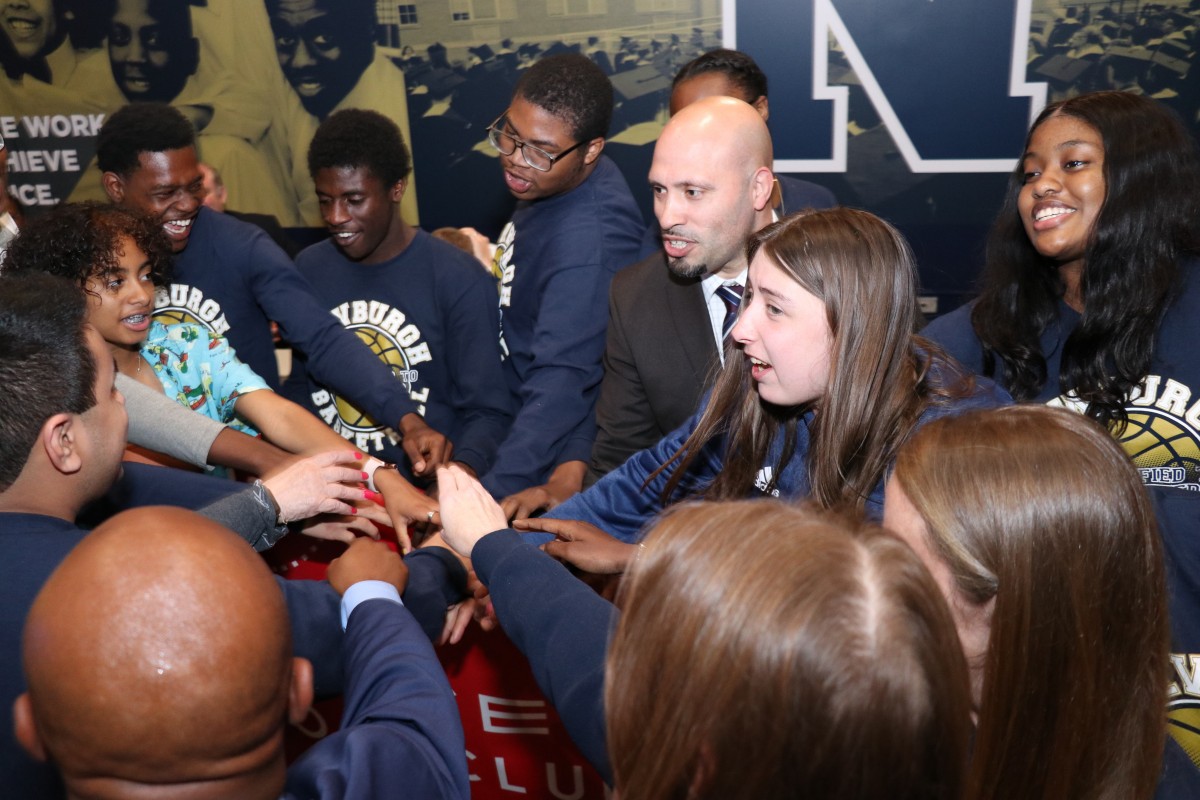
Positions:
(686, 269)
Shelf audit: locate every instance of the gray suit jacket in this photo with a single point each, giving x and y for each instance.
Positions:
(658, 360)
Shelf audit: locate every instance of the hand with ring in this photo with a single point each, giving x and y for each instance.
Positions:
(404, 502)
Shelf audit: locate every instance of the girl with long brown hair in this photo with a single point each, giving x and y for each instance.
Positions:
(824, 381)
(820, 662)
(1044, 542)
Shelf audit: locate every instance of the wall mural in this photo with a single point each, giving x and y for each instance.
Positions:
(917, 120)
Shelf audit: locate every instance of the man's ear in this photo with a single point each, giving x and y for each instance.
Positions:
(761, 186)
(300, 691)
(762, 107)
(114, 186)
(397, 192)
(25, 729)
(594, 148)
(60, 440)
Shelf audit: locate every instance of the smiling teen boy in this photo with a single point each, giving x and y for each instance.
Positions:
(230, 277)
(425, 307)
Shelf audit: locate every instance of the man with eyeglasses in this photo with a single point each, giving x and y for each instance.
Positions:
(574, 226)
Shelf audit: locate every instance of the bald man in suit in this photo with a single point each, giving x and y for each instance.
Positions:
(712, 183)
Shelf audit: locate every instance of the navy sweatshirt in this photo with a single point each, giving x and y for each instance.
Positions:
(430, 314)
(557, 257)
(234, 280)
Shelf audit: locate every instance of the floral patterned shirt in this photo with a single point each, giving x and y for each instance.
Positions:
(200, 370)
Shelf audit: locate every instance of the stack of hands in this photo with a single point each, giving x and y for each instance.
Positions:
(328, 493)
(469, 513)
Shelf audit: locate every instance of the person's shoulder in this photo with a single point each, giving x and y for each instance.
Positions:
(957, 386)
(1189, 281)
(953, 330)
(641, 273)
(222, 222)
(14, 523)
(226, 235)
(799, 194)
(645, 282)
(187, 333)
(157, 330)
(608, 184)
(177, 335)
(448, 260)
(323, 252)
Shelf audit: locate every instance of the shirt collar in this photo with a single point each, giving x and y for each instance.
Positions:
(710, 283)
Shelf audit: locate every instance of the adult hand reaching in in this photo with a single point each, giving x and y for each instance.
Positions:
(583, 545)
(468, 512)
(367, 560)
(318, 484)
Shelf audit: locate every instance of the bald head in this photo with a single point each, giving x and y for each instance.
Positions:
(159, 653)
(727, 123)
(712, 184)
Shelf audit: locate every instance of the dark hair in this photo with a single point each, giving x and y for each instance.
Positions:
(570, 86)
(1131, 265)
(879, 379)
(825, 643)
(78, 241)
(739, 68)
(46, 367)
(1079, 633)
(139, 128)
(356, 137)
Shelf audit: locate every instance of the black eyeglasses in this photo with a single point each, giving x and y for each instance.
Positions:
(536, 157)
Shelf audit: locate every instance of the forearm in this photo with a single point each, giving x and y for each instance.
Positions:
(480, 436)
(250, 514)
(436, 580)
(622, 502)
(479, 394)
(158, 423)
(561, 626)
(247, 453)
(567, 479)
(287, 425)
(550, 416)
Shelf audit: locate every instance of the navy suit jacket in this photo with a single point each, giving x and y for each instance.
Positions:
(400, 734)
(799, 195)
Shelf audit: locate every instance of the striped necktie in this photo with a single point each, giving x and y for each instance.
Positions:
(731, 296)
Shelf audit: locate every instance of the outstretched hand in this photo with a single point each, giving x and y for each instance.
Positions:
(346, 528)
(405, 504)
(527, 502)
(583, 545)
(564, 483)
(318, 484)
(367, 560)
(426, 448)
(468, 512)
